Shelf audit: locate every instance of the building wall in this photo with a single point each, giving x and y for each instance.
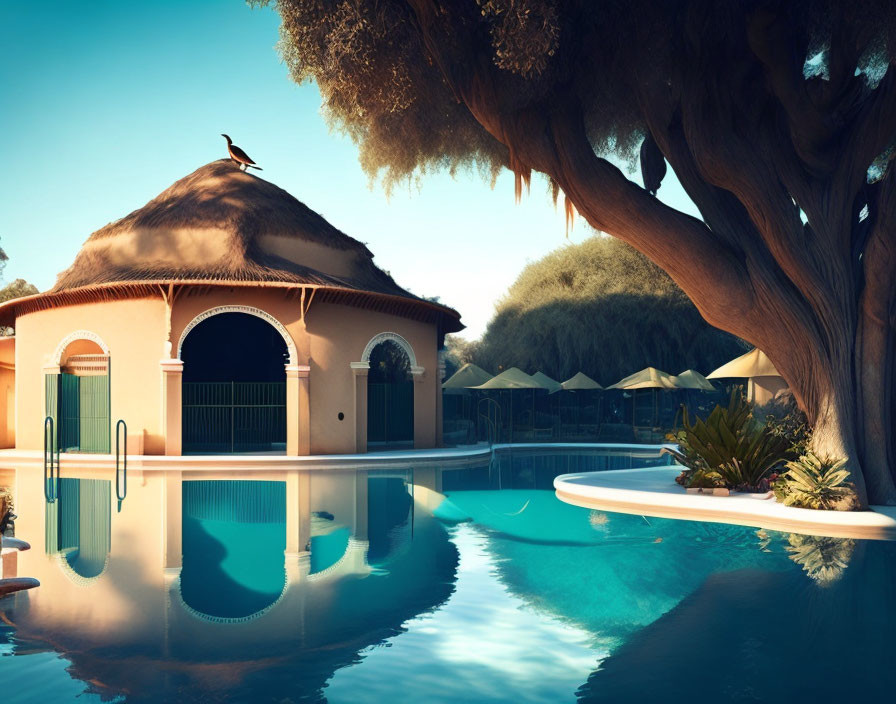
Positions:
(331, 337)
(134, 331)
(338, 336)
(7, 392)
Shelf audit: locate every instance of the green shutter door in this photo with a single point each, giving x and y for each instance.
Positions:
(69, 413)
(93, 416)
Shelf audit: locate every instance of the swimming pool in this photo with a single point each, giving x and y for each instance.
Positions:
(433, 585)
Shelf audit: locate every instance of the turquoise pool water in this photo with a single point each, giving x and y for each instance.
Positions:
(430, 585)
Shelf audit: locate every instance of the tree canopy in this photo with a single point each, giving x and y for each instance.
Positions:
(602, 308)
(777, 116)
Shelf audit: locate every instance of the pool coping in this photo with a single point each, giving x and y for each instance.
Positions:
(653, 492)
(388, 459)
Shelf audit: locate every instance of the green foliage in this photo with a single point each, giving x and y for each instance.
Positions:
(730, 446)
(783, 417)
(601, 308)
(812, 482)
(17, 289)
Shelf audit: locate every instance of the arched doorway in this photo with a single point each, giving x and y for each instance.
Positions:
(234, 385)
(390, 397)
(78, 397)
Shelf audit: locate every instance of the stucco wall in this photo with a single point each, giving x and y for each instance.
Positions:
(331, 337)
(133, 330)
(338, 336)
(7, 392)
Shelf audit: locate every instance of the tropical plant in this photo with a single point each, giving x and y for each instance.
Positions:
(812, 482)
(731, 444)
(783, 417)
(823, 559)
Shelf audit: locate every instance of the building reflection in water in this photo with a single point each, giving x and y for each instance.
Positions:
(204, 581)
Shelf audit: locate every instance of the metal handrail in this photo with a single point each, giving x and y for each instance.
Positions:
(51, 468)
(121, 463)
(492, 425)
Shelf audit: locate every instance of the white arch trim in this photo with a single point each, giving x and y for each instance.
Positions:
(257, 312)
(78, 335)
(392, 337)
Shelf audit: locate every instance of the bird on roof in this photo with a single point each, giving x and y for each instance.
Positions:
(239, 156)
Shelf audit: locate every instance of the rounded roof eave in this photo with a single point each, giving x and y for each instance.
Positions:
(9, 310)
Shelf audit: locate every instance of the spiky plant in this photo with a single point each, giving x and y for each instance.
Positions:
(813, 482)
(730, 444)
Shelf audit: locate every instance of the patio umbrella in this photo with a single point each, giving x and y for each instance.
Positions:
(764, 381)
(465, 377)
(647, 378)
(693, 380)
(550, 384)
(580, 382)
(461, 401)
(753, 363)
(510, 380)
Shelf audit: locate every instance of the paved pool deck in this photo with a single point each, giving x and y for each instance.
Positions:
(653, 492)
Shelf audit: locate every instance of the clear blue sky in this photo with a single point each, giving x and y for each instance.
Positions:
(105, 104)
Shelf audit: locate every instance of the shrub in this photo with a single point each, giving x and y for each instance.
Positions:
(812, 482)
(783, 417)
(730, 448)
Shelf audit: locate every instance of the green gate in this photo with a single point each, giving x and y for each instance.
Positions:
(390, 412)
(80, 407)
(234, 416)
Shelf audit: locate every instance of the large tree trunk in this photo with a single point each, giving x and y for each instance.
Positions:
(782, 257)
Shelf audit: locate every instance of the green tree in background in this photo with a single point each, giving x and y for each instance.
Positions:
(16, 289)
(602, 308)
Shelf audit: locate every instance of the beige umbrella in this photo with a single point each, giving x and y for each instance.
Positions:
(647, 378)
(512, 378)
(547, 382)
(465, 377)
(693, 380)
(753, 363)
(764, 381)
(580, 382)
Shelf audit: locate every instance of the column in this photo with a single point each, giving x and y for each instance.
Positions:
(298, 410)
(172, 404)
(360, 371)
(440, 417)
(298, 515)
(173, 551)
(424, 435)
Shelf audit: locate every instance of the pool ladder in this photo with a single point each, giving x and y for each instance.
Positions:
(51, 463)
(121, 463)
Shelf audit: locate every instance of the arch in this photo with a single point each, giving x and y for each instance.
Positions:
(391, 337)
(257, 312)
(78, 335)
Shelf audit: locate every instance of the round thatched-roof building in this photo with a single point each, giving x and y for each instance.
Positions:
(227, 316)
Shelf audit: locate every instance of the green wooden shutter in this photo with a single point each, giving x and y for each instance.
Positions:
(93, 414)
(51, 405)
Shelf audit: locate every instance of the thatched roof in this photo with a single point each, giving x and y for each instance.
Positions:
(223, 226)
